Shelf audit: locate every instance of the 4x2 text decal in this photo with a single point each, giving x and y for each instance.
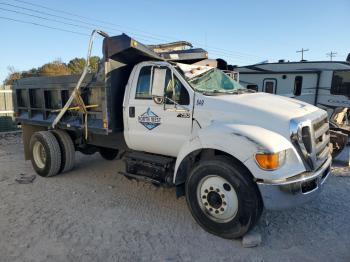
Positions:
(200, 102)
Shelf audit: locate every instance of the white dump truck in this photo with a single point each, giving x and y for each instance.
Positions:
(230, 151)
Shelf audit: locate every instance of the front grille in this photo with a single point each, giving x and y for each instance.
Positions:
(321, 139)
(311, 137)
(307, 138)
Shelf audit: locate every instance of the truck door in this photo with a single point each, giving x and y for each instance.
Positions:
(155, 127)
(269, 85)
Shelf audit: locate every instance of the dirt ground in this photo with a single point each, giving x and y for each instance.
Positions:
(94, 214)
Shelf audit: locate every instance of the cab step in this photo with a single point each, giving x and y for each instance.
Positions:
(149, 167)
(140, 178)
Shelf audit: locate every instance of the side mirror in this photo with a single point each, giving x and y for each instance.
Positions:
(158, 83)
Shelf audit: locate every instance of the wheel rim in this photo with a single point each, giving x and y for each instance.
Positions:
(39, 154)
(217, 198)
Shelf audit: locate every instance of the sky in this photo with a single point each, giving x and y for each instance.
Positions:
(242, 32)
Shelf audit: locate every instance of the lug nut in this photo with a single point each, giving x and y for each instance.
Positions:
(216, 211)
(222, 209)
(204, 196)
(222, 196)
(217, 190)
(211, 188)
(224, 203)
(206, 191)
(210, 209)
(206, 203)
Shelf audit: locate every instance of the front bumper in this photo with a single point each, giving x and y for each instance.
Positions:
(295, 190)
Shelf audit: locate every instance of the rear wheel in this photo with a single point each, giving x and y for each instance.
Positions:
(223, 198)
(45, 154)
(108, 153)
(67, 150)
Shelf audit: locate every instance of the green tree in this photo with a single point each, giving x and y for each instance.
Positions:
(57, 67)
(94, 60)
(12, 76)
(54, 68)
(76, 65)
(30, 73)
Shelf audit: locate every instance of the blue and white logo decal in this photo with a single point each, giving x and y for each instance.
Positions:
(149, 119)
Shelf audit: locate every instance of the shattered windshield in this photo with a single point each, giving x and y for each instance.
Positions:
(208, 80)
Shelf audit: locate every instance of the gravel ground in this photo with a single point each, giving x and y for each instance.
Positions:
(93, 214)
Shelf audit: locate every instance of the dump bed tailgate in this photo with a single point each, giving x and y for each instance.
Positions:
(38, 100)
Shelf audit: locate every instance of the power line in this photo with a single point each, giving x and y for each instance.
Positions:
(41, 25)
(44, 18)
(302, 52)
(79, 21)
(65, 30)
(331, 55)
(155, 37)
(84, 17)
(213, 50)
(76, 20)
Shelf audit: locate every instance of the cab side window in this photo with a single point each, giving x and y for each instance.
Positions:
(175, 90)
(143, 88)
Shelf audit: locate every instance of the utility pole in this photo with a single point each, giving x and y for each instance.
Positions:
(331, 55)
(302, 52)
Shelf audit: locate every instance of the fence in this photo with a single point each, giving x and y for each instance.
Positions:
(6, 109)
(6, 105)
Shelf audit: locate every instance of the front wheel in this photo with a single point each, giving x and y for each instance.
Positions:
(223, 198)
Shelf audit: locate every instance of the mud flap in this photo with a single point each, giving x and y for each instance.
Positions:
(343, 157)
(341, 147)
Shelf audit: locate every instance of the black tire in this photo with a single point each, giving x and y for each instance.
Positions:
(47, 143)
(250, 205)
(67, 150)
(108, 153)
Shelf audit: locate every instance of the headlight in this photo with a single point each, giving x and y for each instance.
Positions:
(270, 161)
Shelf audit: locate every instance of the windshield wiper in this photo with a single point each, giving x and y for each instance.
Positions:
(217, 91)
(230, 92)
(242, 91)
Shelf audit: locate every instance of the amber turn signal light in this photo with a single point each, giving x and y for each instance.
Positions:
(270, 161)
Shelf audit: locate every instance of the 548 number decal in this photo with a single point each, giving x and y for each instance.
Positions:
(200, 102)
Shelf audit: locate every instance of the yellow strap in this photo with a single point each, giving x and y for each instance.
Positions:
(76, 108)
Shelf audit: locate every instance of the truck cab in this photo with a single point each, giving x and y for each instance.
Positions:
(203, 108)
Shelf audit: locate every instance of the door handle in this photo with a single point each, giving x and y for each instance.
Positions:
(131, 111)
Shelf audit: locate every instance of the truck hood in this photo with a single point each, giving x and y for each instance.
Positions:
(268, 111)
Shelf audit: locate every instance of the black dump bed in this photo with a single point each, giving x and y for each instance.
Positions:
(38, 100)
